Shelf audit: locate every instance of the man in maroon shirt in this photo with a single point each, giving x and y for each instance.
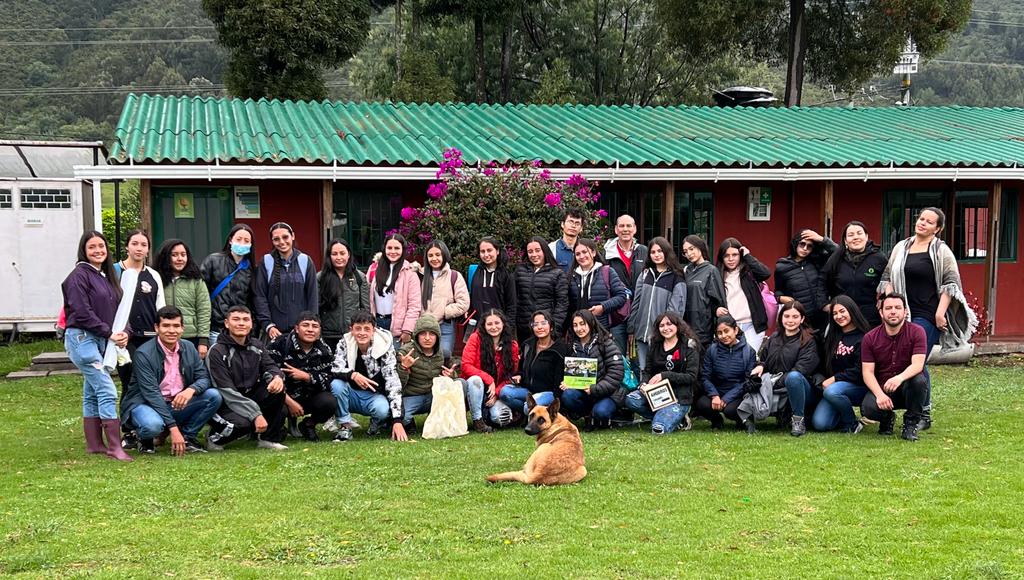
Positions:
(892, 356)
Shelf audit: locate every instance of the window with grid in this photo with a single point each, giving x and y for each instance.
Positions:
(900, 210)
(971, 226)
(45, 199)
(6, 199)
(693, 215)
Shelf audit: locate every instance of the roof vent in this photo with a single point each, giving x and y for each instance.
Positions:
(744, 97)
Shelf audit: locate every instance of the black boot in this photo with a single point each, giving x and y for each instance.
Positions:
(887, 424)
(925, 422)
(307, 430)
(750, 426)
(910, 428)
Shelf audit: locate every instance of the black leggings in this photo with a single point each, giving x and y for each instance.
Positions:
(702, 408)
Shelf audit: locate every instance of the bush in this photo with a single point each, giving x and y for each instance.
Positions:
(512, 202)
(131, 215)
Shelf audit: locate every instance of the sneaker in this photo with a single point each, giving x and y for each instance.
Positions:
(213, 447)
(144, 446)
(887, 424)
(481, 426)
(221, 426)
(749, 425)
(410, 428)
(272, 445)
(687, 423)
(856, 428)
(925, 423)
(717, 422)
(293, 429)
(342, 434)
(910, 430)
(797, 427)
(130, 440)
(588, 425)
(308, 431)
(331, 425)
(192, 445)
(375, 427)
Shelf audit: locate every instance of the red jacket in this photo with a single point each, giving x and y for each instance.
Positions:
(471, 363)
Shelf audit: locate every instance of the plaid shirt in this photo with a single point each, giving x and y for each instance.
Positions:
(286, 350)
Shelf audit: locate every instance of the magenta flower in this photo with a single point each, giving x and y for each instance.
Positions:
(553, 199)
(545, 175)
(602, 213)
(536, 163)
(408, 213)
(489, 172)
(437, 190)
(576, 180)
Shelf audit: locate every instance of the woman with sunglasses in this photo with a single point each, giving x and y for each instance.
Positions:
(798, 275)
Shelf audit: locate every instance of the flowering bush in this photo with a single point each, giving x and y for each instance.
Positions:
(512, 202)
(981, 334)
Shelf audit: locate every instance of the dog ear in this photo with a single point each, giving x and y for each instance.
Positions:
(553, 408)
(530, 403)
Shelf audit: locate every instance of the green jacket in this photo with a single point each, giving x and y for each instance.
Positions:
(420, 378)
(192, 298)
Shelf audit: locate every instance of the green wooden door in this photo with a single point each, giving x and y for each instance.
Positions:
(199, 215)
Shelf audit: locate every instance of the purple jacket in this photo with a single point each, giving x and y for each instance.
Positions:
(89, 300)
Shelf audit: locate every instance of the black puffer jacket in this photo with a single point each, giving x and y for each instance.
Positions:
(217, 267)
(542, 371)
(610, 371)
(544, 289)
(750, 280)
(857, 276)
(801, 279)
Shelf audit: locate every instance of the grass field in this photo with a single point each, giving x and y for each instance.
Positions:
(695, 504)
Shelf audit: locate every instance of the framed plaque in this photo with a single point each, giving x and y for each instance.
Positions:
(659, 395)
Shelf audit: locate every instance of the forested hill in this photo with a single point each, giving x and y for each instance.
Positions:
(65, 65)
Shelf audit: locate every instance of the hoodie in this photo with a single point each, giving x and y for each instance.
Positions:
(419, 380)
(90, 301)
(236, 368)
(381, 366)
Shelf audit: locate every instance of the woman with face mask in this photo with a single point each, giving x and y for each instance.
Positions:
(228, 277)
(855, 269)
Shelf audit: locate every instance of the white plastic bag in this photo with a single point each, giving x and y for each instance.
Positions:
(447, 416)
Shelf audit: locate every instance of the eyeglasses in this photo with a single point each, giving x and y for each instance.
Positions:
(807, 245)
(539, 323)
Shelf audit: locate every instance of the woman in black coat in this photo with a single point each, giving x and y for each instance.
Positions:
(793, 353)
(742, 274)
(599, 401)
(541, 284)
(798, 275)
(855, 270)
(541, 366)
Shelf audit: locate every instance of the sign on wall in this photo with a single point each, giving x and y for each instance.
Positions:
(759, 204)
(184, 205)
(247, 202)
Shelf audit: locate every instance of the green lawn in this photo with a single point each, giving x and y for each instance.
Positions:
(696, 504)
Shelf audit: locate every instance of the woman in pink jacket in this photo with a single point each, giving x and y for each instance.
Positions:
(395, 291)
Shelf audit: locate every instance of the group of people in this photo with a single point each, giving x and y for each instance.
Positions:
(269, 347)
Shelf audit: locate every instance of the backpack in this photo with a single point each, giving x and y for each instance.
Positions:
(621, 314)
(268, 265)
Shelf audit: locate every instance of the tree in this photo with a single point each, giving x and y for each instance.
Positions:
(280, 48)
(838, 42)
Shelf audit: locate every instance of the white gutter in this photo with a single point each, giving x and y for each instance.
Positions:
(345, 173)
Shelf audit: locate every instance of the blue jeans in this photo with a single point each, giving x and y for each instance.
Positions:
(620, 334)
(414, 405)
(99, 395)
(642, 349)
(355, 400)
(577, 403)
(500, 414)
(837, 408)
(148, 423)
(932, 333)
(447, 339)
(665, 420)
(799, 390)
(515, 397)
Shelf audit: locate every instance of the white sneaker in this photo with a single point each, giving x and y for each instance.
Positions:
(262, 444)
(331, 425)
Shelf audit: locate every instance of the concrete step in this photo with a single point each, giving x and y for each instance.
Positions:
(51, 358)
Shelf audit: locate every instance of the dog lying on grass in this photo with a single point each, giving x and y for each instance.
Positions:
(558, 458)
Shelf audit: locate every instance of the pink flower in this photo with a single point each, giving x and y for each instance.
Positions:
(437, 190)
(489, 172)
(553, 199)
(408, 213)
(536, 163)
(545, 175)
(602, 213)
(576, 180)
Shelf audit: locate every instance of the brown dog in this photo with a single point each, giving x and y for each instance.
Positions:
(558, 458)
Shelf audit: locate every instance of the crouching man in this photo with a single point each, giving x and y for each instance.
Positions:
(420, 361)
(366, 378)
(892, 359)
(250, 383)
(169, 390)
(306, 361)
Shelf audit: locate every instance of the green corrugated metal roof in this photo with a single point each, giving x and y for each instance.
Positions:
(204, 130)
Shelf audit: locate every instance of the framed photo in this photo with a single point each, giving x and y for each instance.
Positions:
(659, 395)
(580, 372)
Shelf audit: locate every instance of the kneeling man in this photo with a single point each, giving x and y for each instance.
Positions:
(306, 361)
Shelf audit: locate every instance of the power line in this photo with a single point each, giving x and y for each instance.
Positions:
(105, 42)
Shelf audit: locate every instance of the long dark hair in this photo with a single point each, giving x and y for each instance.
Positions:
(587, 243)
(834, 332)
(817, 255)
(163, 262)
(427, 284)
(107, 268)
(502, 261)
(231, 233)
(381, 276)
(683, 332)
(832, 265)
(728, 243)
(505, 341)
(701, 244)
(138, 232)
(671, 260)
(597, 330)
(330, 284)
(806, 334)
(549, 258)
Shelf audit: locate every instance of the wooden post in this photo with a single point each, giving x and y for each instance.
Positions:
(668, 210)
(829, 208)
(146, 203)
(327, 210)
(995, 204)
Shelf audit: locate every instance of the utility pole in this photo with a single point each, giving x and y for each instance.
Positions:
(906, 66)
